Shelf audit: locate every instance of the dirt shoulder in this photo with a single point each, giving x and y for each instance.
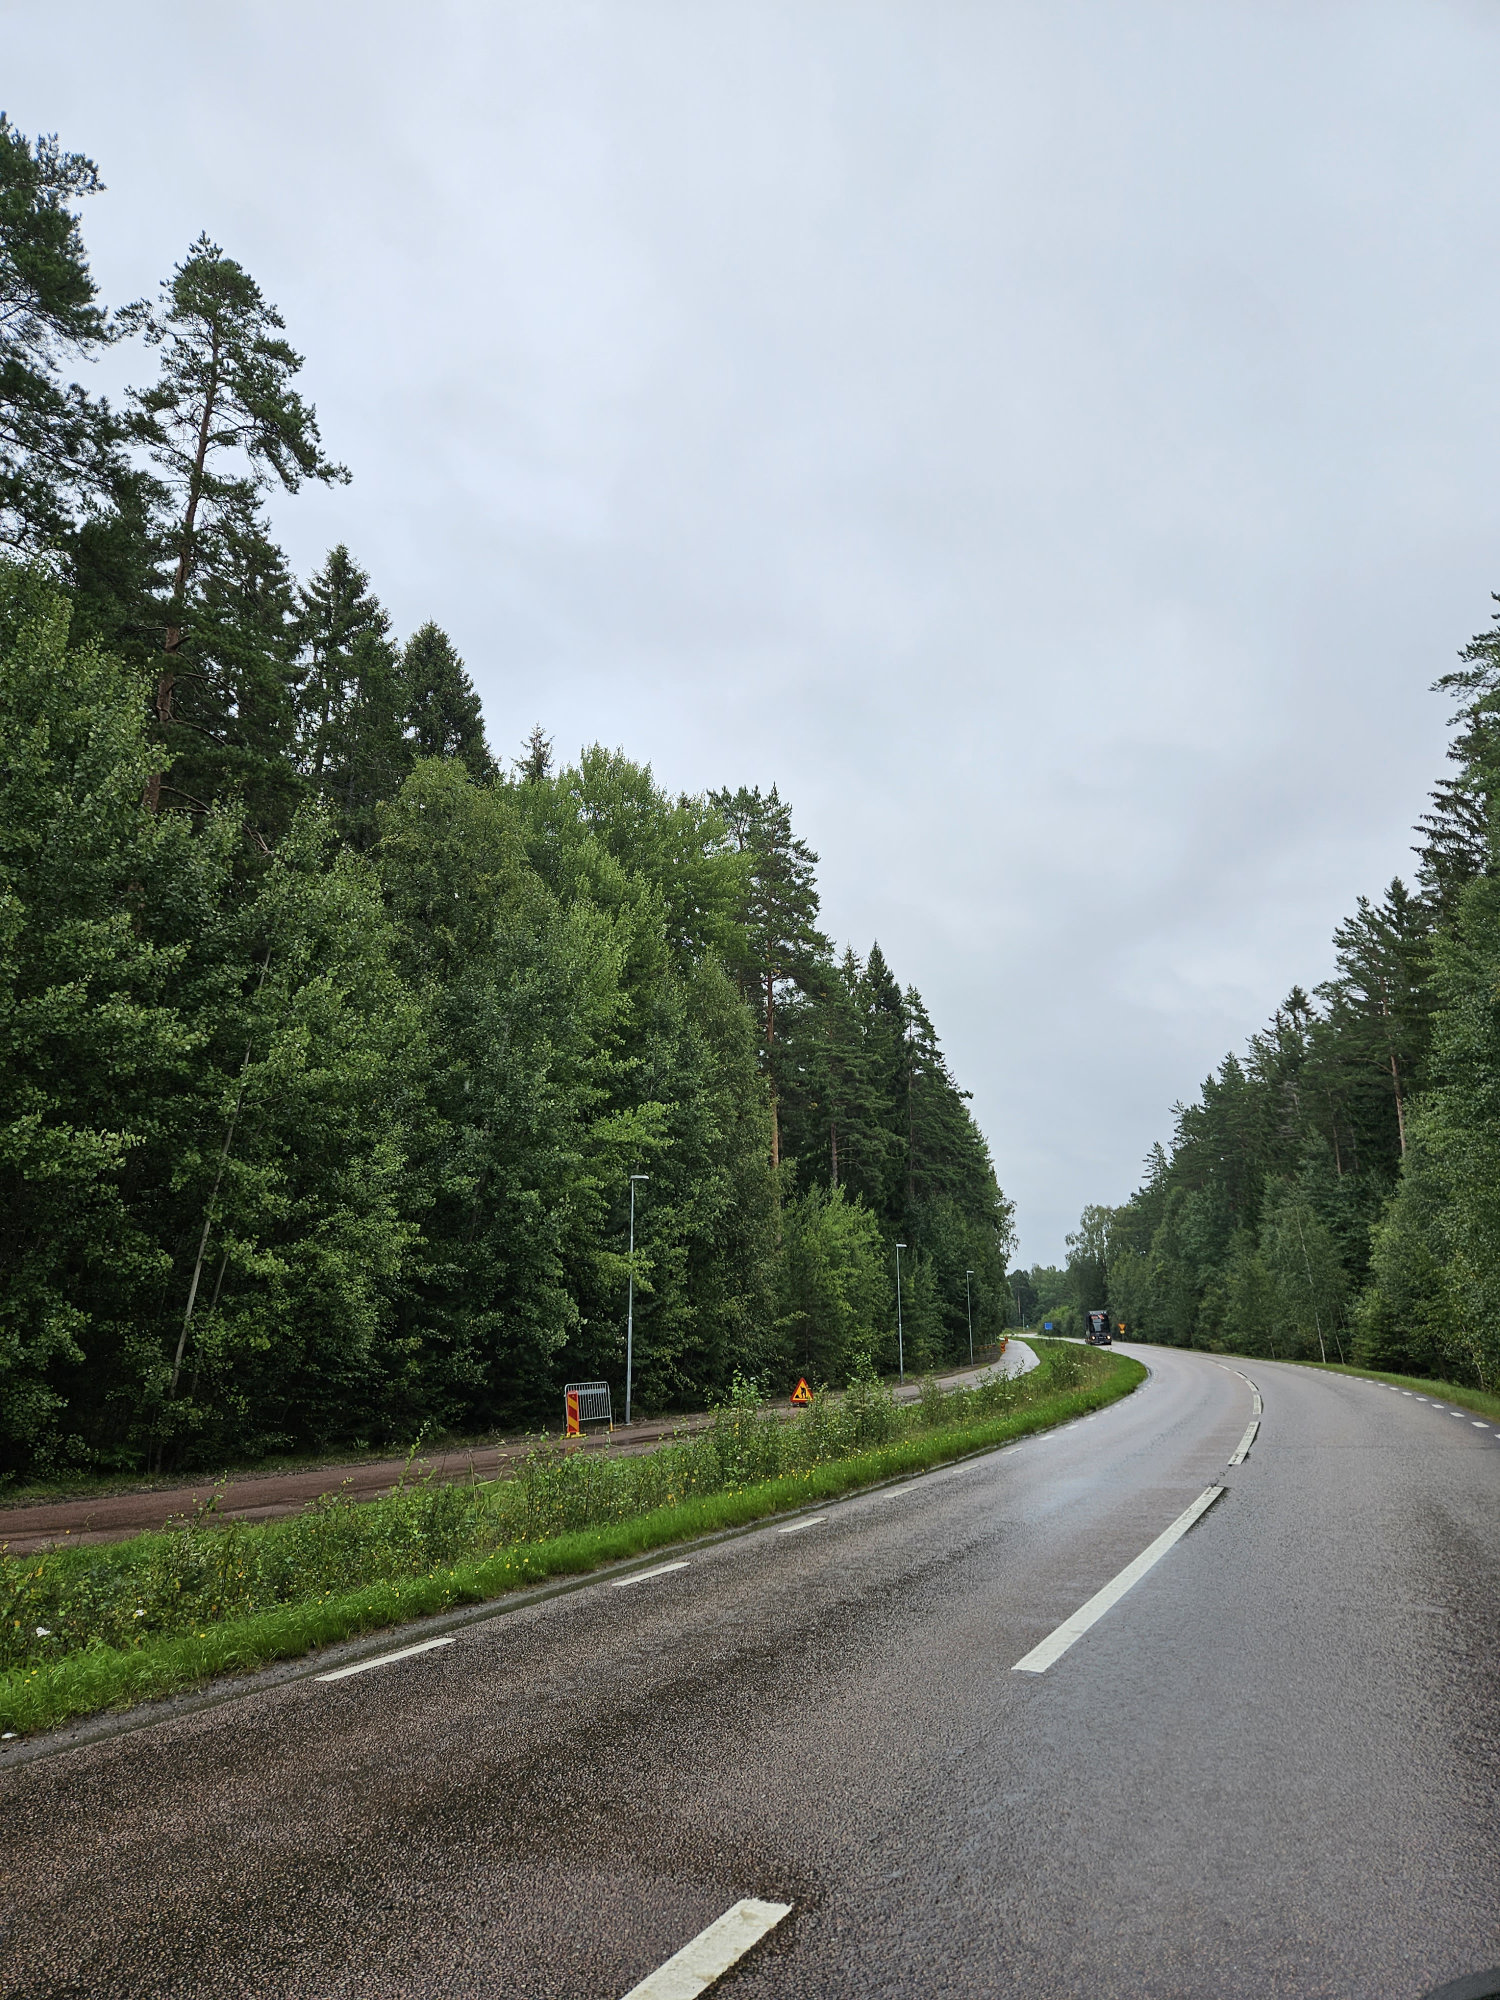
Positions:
(113, 1517)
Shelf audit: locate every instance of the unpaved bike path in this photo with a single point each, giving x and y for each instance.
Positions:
(252, 1496)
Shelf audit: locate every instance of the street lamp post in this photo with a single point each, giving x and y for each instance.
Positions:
(900, 1337)
(969, 1303)
(630, 1300)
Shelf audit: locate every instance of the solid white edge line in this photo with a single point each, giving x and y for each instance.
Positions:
(1242, 1449)
(794, 1526)
(645, 1575)
(1057, 1643)
(364, 1666)
(710, 1954)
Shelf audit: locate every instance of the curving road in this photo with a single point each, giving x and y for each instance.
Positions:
(1271, 1768)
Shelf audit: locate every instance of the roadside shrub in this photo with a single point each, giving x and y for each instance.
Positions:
(67, 1600)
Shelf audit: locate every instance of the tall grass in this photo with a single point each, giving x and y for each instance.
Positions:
(81, 1627)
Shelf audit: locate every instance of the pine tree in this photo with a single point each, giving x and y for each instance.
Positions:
(59, 455)
(222, 423)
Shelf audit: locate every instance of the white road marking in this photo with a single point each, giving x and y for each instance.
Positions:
(1242, 1449)
(1057, 1643)
(694, 1969)
(1478, 1425)
(645, 1575)
(795, 1526)
(384, 1660)
(1255, 1405)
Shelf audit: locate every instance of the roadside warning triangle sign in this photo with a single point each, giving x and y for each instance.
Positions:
(802, 1394)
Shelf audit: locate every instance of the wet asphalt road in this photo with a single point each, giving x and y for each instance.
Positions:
(1271, 1769)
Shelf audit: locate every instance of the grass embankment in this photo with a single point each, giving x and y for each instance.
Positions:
(85, 1629)
(1485, 1402)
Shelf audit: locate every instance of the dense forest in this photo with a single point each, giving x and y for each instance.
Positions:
(1334, 1192)
(332, 1040)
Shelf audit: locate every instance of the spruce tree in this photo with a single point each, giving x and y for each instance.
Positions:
(352, 697)
(782, 942)
(535, 761)
(337, 608)
(443, 715)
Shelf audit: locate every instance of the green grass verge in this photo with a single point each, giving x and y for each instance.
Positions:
(105, 1677)
(1484, 1401)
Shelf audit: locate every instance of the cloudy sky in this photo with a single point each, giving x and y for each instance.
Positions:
(1056, 443)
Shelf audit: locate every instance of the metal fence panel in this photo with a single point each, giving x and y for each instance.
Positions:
(594, 1406)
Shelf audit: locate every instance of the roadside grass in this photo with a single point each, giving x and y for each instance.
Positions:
(1484, 1402)
(158, 1615)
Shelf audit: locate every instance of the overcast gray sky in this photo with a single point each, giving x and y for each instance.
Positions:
(1056, 443)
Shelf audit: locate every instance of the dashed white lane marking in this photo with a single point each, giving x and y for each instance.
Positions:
(795, 1527)
(1242, 1449)
(1057, 1643)
(1478, 1425)
(711, 1953)
(1257, 1408)
(384, 1660)
(645, 1575)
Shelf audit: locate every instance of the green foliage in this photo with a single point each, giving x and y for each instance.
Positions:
(837, 1301)
(338, 1144)
(1338, 1189)
(101, 1676)
(58, 448)
(329, 1050)
(127, 1594)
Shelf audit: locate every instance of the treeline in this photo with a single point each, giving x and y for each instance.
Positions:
(1335, 1190)
(330, 1046)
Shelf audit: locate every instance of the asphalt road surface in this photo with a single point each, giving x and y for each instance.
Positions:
(1271, 1768)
